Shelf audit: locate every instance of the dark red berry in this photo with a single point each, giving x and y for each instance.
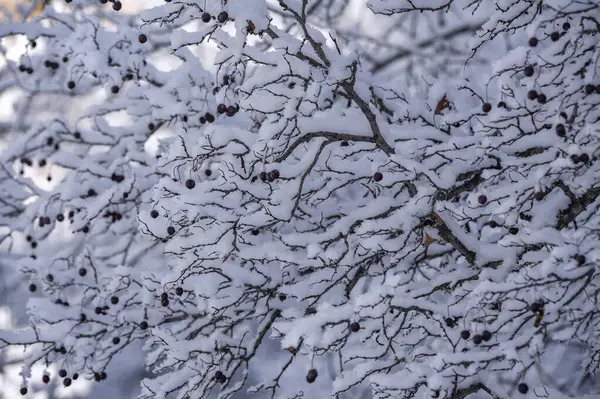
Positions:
(170, 230)
(62, 373)
(98, 310)
(580, 259)
(528, 71)
(566, 26)
(75, 376)
(116, 340)
(231, 110)
(523, 388)
(590, 89)
(91, 192)
(486, 335)
(179, 291)
(255, 232)
(513, 230)
(50, 278)
(311, 376)
(164, 296)
(263, 176)
(202, 120)
(354, 327)
(67, 382)
(23, 391)
(465, 334)
(210, 118)
(487, 107)
(482, 199)
(205, 17)
(32, 287)
(97, 377)
(114, 300)
(190, 184)
(584, 158)
(153, 213)
(144, 325)
(532, 94)
(71, 84)
(221, 108)
(142, 38)
(164, 302)
(60, 217)
(222, 17)
(117, 6)
(541, 98)
(560, 129)
(533, 42)
(554, 36)
(378, 176)
(114, 89)
(477, 339)
(82, 272)
(46, 379)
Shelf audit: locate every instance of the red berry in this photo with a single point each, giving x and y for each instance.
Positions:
(482, 199)
(354, 327)
(487, 107)
(378, 176)
(142, 38)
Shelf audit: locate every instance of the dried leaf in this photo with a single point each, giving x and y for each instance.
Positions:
(442, 105)
(292, 350)
(251, 27)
